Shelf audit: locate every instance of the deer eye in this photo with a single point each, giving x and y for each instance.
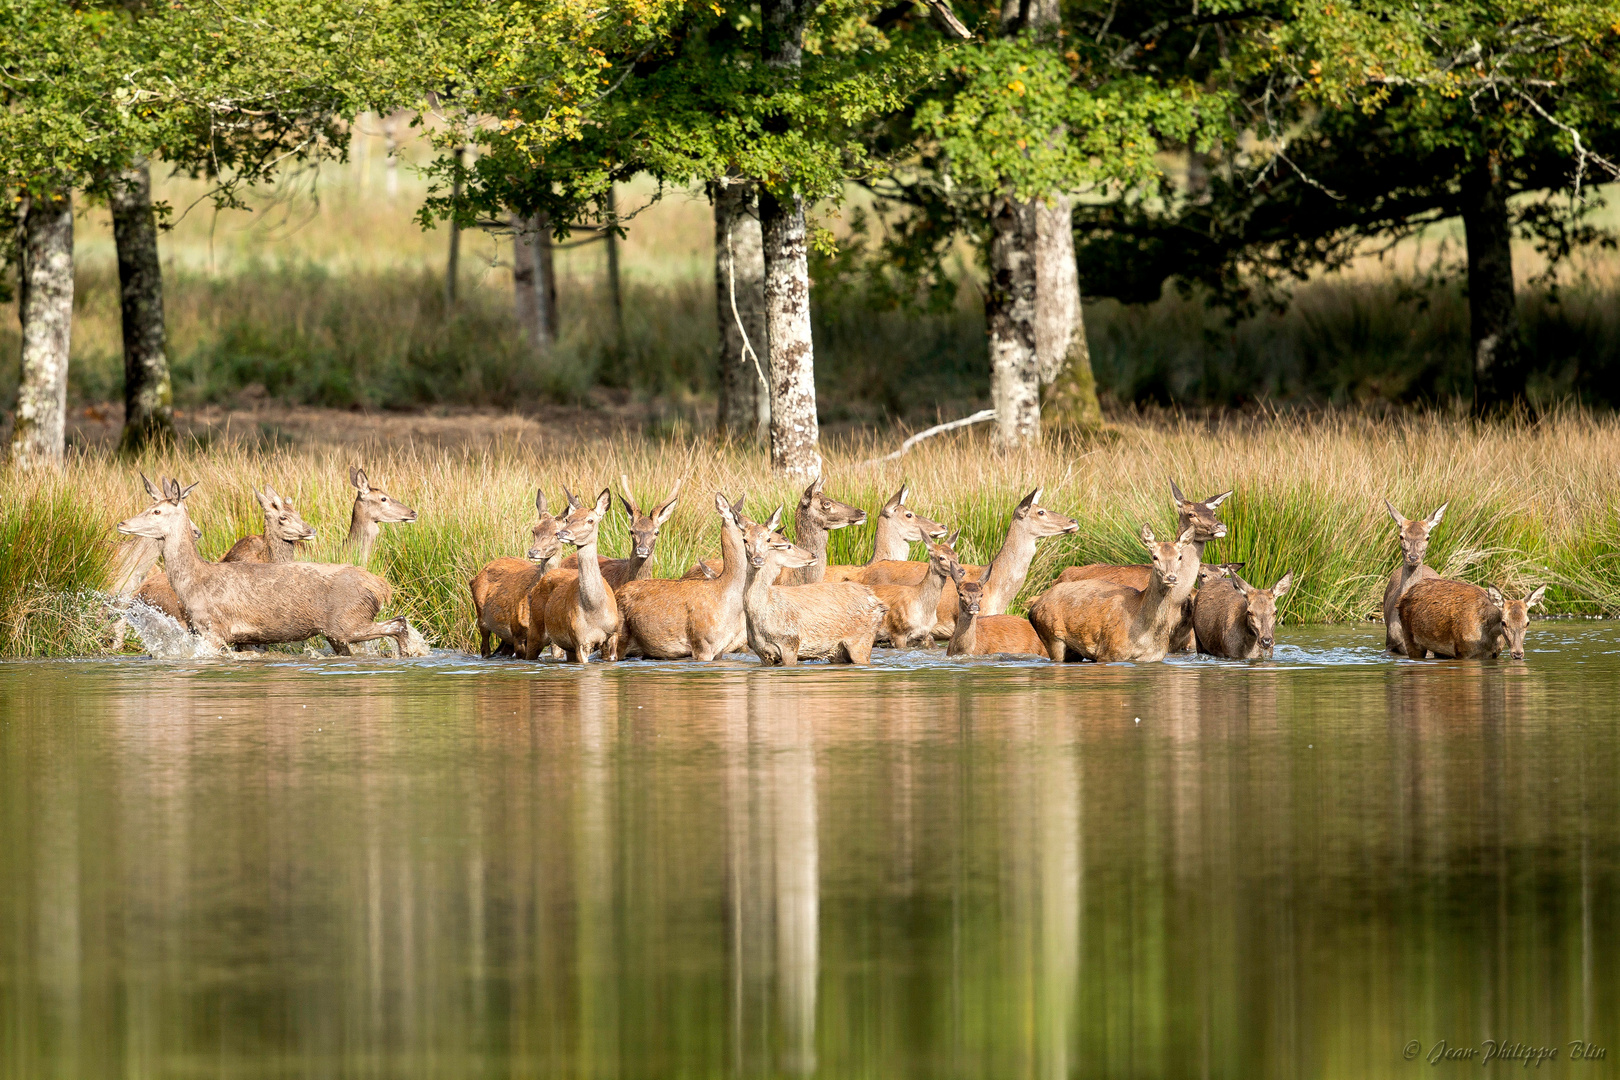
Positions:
(384, 498)
(1041, 512)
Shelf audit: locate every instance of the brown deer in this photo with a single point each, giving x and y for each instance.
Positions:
(245, 603)
(898, 527)
(914, 609)
(700, 618)
(500, 592)
(1003, 579)
(1207, 526)
(137, 576)
(1234, 619)
(581, 612)
(284, 530)
(818, 514)
(638, 566)
(988, 635)
(1456, 620)
(373, 508)
(1414, 545)
(835, 620)
(1098, 620)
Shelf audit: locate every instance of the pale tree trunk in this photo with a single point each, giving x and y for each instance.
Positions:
(1060, 326)
(1015, 370)
(1493, 311)
(148, 391)
(45, 306)
(794, 430)
(534, 287)
(739, 274)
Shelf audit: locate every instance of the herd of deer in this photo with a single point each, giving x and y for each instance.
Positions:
(780, 598)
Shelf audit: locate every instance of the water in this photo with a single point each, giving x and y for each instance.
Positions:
(289, 866)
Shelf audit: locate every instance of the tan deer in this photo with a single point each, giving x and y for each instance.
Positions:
(1207, 526)
(264, 603)
(700, 618)
(500, 591)
(1414, 545)
(284, 530)
(581, 612)
(1003, 579)
(1456, 620)
(836, 620)
(136, 575)
(1098, 620)
(373, 508)
(1234, 619)
(898, 527)
(817, 515)
(988, 635)
(914, 609)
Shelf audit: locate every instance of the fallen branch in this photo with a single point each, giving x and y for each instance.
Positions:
(938, 429)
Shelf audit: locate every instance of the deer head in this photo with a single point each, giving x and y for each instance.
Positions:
(1200, 515)
(644, 527)
(1515, 617)
(580, 525)
(1262, 607)
(165, 517)
(543, 542)
(280, 519)
(828, 513)
(765, 544)
(913, 527)
(1415, 534)
(375, 504)
(1166, 555)
(1039, 520)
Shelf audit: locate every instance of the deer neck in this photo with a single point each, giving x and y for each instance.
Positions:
(811, 536)
(757, 591)
(966, 634)
(932, 585)
(1409, 574)
(593, 590)
(887, 544)
(547, 564)
(640, 569)
(733, 577)
(280, 550)
(1159, 608)
(180, 560)
(362, 532)
(1006, 573)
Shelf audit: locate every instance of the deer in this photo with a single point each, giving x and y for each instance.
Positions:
(244, 603)
(834, 620)
(500, 592)
(988, 635)
(1207, 526)
(1414, 545)
(638, 566)
(898, 527)
(373, 508)
(1098, 620)
(579, 607)
(817, 515)
(1459, 621)
(1003, 579)
(137, 576)
(914, 609)
(1234, 619)
(697, 617)
(284, 530)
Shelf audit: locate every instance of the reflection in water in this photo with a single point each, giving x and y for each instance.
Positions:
(929, 869)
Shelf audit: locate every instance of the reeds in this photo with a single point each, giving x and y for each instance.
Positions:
(1529, 504)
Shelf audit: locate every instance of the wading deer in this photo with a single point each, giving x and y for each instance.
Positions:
(580, 610)
(1003, 579)
(898, 527)
(1414, 545)
(835, 620)
(1098, 620)
(1234, 619)
(1455, 620)
(373, 508)
(137, 576)
(700, 618)
(817, 515)
(1206, 525)
(500, 592)
(638, 565)
(284, 530)
(988, 635)
(914, 609)
(264, 603)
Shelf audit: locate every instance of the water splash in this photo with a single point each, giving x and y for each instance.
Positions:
(163, 637)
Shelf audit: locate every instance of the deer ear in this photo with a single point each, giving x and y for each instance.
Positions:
(604, 501)
(171, 490)
(573, 503)
(267, 498)
(1496, 595)
(1535, 598)
(663, 513)
(737, 507)
(1284, 583)
(357, 477)
(1394, 513)
(1217, 500)
(628, 499)
(775, 522)
(540, 501)
(152, 489)
(893, 502)
(723, 508)
(1434, 518)
(1186, 534)
(629, 507)
(1147, 534)
(1176, 496)
(1241, 584)
(1029, 500)
(950, 541)
(184, 491)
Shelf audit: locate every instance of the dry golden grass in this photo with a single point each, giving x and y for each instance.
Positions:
(1529, 504)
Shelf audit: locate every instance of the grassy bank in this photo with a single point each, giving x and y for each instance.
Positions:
(1529, 505)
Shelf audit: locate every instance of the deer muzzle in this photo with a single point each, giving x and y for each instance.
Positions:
(756, 561)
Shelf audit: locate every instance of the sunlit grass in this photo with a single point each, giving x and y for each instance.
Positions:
(1529, 504)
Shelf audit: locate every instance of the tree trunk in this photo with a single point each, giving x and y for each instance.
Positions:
(739, 272)
(453, 270)
(1015, 370)
(534, 287)
(615, 296)
(1060, 326)
(794, 430)
(148, 392)
(45, 307)
(1493, 312)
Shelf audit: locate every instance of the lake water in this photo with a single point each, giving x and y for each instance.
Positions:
(1313, 867)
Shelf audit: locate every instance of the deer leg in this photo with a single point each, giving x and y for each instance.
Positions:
(339, 648)
(1409, 645)
(397, 629)
(483, 642)
(858, 650)
(1055, 648)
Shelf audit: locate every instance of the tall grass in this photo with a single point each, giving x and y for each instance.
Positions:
(1529, 504)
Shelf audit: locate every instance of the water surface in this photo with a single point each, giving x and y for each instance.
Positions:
(285, 866)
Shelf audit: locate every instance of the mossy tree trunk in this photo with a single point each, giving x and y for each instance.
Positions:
(45, 306)
(1070, 391)
(534, 286)
(148, 389)
(739, 274)
(1493, 311)
(1015, 371)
